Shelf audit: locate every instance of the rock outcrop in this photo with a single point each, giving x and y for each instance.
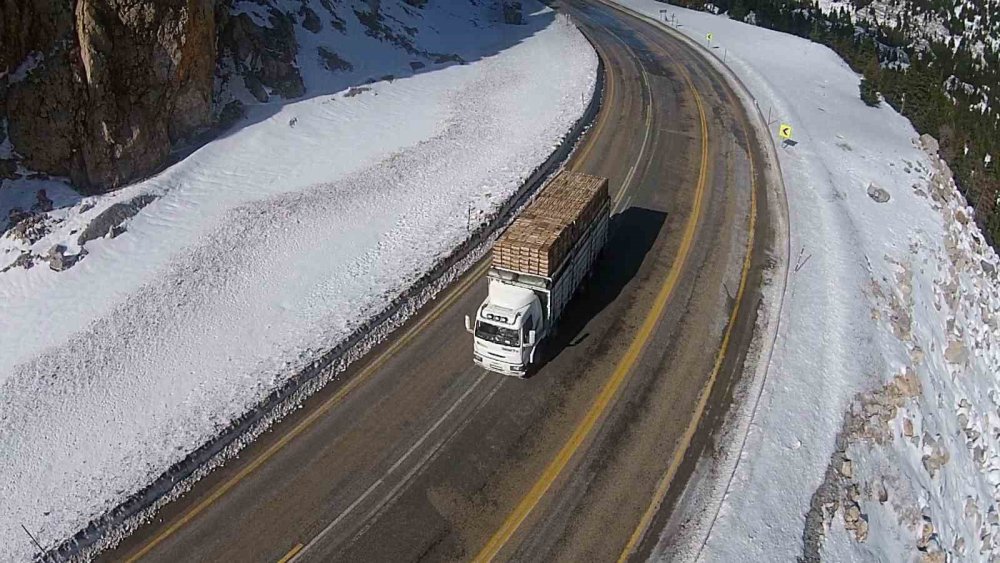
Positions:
(264, 55)
(101, 91)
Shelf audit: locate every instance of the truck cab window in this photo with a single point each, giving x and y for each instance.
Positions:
(496, 334)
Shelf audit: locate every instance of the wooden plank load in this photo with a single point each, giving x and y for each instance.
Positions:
(540, 239)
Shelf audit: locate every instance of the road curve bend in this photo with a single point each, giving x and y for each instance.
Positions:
(418, 454)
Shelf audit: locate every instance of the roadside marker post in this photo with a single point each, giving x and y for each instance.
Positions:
(785, 131)
(709, 38)
(41, 551)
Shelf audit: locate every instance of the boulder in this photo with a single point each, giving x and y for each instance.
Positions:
(929, 144)
(111, 221)
(512, 12)
(59, 261)
(877, 194)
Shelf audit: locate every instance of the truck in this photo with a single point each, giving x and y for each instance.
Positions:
(538, 264)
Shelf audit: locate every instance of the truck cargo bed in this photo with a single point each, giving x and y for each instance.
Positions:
(541, 238)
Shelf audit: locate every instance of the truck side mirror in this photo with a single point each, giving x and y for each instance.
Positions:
(531, 338)
(468, 325)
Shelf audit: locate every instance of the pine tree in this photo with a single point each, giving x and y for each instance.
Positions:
(738, 11)
(869, 93)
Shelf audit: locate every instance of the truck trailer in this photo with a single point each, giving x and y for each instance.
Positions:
(538, 264)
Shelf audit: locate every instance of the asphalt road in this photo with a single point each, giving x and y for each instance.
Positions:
(418, 454)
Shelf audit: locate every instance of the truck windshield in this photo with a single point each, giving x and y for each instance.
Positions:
(497, 334)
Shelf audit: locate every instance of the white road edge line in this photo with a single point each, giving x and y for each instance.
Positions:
(391, 469)
(431, 454)
(645, 139)
(648, 125)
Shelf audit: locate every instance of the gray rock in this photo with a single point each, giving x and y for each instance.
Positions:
(355, 91)
(59, 261)
(42, 202)
(264, 54)
(29, 228)
(26, 260)
(111, 221)
(877, 194)
(929, 144)
(310, 20)
(256, 89)
(512, 13)
(332, 61)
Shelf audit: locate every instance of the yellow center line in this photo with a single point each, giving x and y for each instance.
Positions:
(618, 377)
(291, 553)
(355, 382)
(680, 451)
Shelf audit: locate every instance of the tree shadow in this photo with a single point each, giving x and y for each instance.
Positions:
(633, 233)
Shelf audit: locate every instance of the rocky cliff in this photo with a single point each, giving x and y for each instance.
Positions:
(100, 90)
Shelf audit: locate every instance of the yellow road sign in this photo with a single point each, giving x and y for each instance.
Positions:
(709, 36)
(785, 131)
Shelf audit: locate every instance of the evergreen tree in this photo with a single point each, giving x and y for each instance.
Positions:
(869, 93)
(738, 11)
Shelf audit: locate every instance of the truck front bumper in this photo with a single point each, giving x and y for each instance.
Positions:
(498, 366)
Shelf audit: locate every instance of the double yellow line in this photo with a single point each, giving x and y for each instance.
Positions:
(680, 451)
(624, 366)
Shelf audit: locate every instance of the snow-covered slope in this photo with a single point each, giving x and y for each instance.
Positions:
(876, 434)
(259, 251)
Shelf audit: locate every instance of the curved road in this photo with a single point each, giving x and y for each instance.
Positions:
(417, 454)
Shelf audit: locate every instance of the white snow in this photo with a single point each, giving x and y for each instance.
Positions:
(264, 248)
(889, 331)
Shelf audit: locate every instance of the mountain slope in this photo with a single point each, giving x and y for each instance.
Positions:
(176, 305)
(935, 61)
(869, 432)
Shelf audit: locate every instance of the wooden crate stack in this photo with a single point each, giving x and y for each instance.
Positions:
(539, 240)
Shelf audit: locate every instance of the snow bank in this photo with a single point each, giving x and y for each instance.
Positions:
(876, 435)
(260, 251)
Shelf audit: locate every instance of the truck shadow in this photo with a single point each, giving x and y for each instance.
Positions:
(633, 233)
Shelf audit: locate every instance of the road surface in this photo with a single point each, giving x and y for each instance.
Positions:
(418, 454)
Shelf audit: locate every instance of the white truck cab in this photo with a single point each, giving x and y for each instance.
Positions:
(507, 329)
